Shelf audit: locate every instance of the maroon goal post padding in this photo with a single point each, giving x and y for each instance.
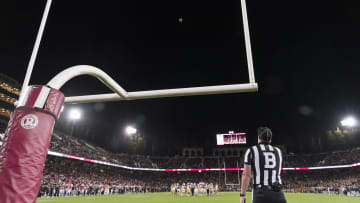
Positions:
(27, 139)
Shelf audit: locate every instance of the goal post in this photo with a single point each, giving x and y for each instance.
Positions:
(238, 176)
(28, 134)
(121, 94)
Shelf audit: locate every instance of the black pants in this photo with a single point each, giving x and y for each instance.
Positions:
(268, 196)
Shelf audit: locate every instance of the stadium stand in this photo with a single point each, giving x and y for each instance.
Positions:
(82, 178)
(9, 93)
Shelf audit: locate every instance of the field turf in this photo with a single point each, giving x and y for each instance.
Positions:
(220, 198)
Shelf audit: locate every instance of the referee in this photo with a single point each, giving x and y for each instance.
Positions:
(264, 162)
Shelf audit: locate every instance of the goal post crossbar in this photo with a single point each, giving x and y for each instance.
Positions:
(121, 94)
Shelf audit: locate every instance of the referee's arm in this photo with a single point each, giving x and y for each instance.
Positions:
(246, 175)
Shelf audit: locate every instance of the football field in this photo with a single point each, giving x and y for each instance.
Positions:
(222, 197)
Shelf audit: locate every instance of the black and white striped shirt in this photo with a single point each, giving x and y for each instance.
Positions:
(266, 162)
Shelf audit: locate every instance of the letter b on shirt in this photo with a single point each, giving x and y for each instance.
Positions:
(270, 160)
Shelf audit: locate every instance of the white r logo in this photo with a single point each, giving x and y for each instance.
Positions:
(29, 121)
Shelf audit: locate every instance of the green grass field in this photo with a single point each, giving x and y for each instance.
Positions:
(222, 197)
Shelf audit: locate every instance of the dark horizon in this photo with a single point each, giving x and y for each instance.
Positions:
(304, 56)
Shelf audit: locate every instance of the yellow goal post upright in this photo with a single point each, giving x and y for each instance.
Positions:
(238, 176)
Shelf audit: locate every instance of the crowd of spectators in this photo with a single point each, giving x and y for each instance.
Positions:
(81, 178)
(323, 159)
(328, 180)
(322, 180)
(71, 145)
(72, 177)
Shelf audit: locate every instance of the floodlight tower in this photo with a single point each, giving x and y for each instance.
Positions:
(349, 122)
(134, 135)
(130, 130)
(74, 115)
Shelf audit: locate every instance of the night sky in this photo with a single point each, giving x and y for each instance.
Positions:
(306, 58)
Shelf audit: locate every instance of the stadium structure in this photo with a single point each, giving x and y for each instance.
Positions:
(70, 166)
(9, 94)
(74, 167)
(69, 171)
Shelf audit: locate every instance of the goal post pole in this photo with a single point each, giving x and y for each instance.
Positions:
(249, 55)
(36, 47)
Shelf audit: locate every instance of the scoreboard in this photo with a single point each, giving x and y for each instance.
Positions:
(231, 138)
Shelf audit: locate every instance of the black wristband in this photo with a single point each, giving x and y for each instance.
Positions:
(242, 195)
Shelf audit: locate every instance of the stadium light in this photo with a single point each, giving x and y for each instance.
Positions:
(349, 122)
(75, 114)
(130, 130)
